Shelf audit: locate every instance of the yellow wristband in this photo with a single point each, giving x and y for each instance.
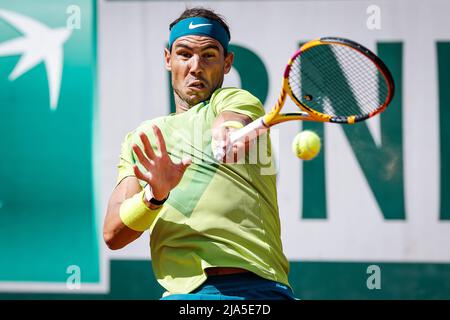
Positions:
(232, 124)
(135, 214)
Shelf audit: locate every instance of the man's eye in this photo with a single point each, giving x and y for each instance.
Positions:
(209, 55)
(185, 54)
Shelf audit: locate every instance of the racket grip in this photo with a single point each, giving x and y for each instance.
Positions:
(252, 130)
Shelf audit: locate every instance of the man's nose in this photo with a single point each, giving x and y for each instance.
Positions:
(195, 65)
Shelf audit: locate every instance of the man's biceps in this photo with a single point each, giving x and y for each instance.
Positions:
(127, 187)
(243, 117)
(233, 115)
(122, 177)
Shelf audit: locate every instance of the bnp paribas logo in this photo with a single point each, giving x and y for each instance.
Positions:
(37, 44)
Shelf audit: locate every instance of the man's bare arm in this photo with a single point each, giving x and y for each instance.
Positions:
(160, 173)
(221, 133)
(115, 234)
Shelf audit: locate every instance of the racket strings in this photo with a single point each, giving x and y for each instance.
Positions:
(319, 102)
(336, 86)
(337, 80)
(361, 95)
(365, 97)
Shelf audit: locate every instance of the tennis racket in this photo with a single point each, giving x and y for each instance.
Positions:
(331, 80)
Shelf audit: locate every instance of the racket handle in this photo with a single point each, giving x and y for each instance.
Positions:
(253, 129)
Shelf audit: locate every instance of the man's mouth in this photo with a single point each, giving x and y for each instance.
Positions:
(197, 85)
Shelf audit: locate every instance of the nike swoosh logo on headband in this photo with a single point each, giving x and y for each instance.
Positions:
(195, 26)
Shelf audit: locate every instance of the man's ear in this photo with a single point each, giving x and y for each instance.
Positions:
(167, 59)
(228, 62)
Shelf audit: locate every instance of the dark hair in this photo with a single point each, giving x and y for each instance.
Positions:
(204, 13)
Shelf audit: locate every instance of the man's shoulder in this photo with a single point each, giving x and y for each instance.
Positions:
(236, 100)
(233, 93)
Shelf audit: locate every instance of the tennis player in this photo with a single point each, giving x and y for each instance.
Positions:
(214, 227)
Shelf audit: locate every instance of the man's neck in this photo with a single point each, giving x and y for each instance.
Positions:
(181, 105)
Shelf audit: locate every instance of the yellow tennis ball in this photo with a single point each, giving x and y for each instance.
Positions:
(306, 145)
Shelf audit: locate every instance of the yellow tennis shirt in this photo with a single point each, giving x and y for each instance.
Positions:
(222, 215)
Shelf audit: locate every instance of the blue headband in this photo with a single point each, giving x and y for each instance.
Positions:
(199, 26)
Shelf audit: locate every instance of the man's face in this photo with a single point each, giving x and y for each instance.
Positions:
(198, 66)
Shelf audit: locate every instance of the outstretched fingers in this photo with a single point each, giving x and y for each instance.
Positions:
(142, 176)
(147, 146)
(184, 164)
(160, 143)
(141, 157)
